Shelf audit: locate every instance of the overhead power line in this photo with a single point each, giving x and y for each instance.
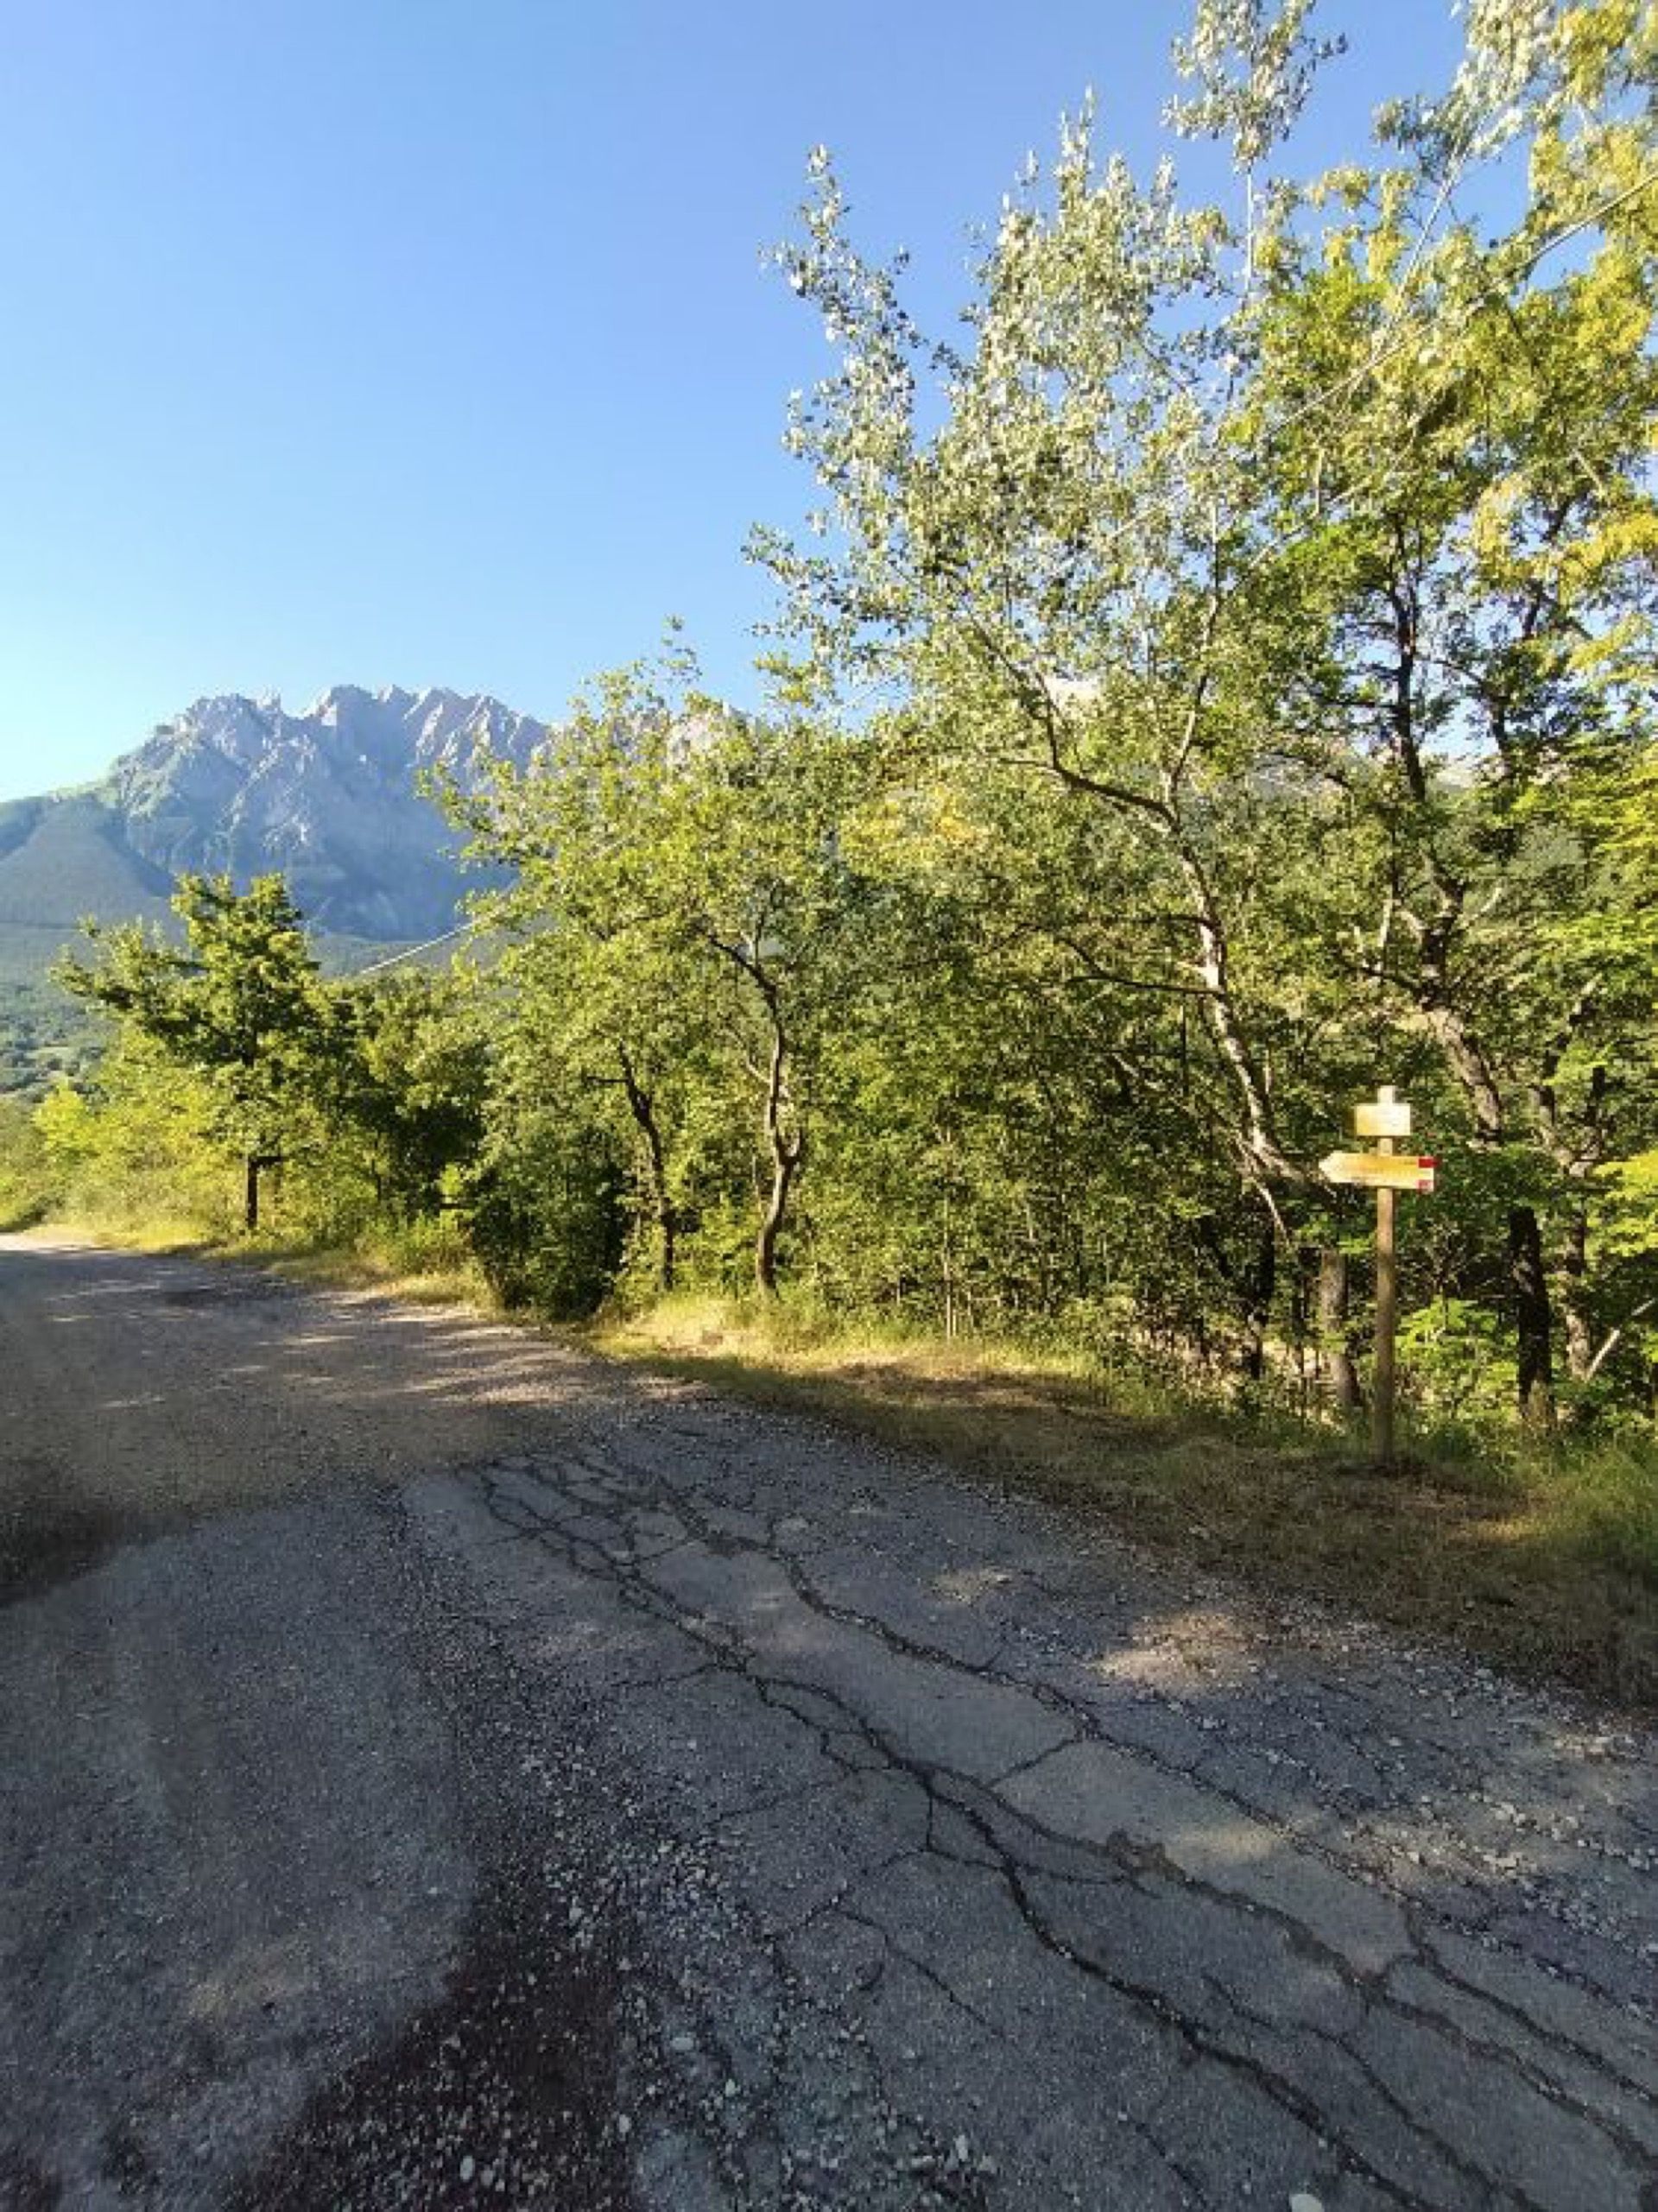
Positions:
(408, 952)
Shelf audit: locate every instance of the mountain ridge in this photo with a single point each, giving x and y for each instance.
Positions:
(240, 785)
(327, 795)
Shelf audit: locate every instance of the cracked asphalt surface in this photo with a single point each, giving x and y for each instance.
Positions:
(437, 1767)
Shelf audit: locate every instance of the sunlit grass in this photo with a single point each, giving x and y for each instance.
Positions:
(427, 1265)
(419, 1265)
(139, 1231)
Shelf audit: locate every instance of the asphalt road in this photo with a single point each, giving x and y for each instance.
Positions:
(438, 1769)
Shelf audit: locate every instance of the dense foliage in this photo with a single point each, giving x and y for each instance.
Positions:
(1221, 682)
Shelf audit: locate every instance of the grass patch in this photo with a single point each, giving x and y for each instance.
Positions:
(1544, 1563)
(137, 1232)
(407, 1269)
(424, 1268)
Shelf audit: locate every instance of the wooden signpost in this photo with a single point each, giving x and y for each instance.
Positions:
(1380, 1170)
(1382, 1118)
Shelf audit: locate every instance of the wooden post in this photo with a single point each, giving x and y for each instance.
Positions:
(1387, 1308)
(1384, 1118)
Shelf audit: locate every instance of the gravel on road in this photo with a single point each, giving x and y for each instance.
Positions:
(437, 1767)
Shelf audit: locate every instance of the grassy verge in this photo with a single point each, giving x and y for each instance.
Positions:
(1545, 1563)
(426, 1270)
(385, 1264)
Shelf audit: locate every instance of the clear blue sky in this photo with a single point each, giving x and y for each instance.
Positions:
(426, 341)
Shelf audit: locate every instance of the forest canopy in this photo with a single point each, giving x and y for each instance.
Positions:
(1215, 677)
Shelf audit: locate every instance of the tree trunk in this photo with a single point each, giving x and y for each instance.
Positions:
(1614, 1337)
(1250, 1286)
(642, 1107)
(785, 1160)
(1263, 1158)
(1341, 1369)
(780, 1123)
(1533, 1319)
(786, 1151)
(1574, 1269)
(250, 1193)
(1302, 1336)
(1260, 1280)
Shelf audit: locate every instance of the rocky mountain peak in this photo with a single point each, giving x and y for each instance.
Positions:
(329, 795)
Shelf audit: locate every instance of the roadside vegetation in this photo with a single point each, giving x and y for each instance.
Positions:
(1218, 682)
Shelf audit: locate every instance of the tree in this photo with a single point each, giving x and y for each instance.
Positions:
(1301, 551)
(1480, 502)
(684, 918)
(25, 1176)
(241, 1007)
(412, 1080)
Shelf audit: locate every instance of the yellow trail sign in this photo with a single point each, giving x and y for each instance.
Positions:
(1381, 1117)
(1386, 1173)
(1381, 1171)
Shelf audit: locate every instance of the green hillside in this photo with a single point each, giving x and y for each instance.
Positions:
(62, 859)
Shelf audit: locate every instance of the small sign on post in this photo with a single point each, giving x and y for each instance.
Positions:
(1384, 1118)
(1382, 1171)
(1381, 1117)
